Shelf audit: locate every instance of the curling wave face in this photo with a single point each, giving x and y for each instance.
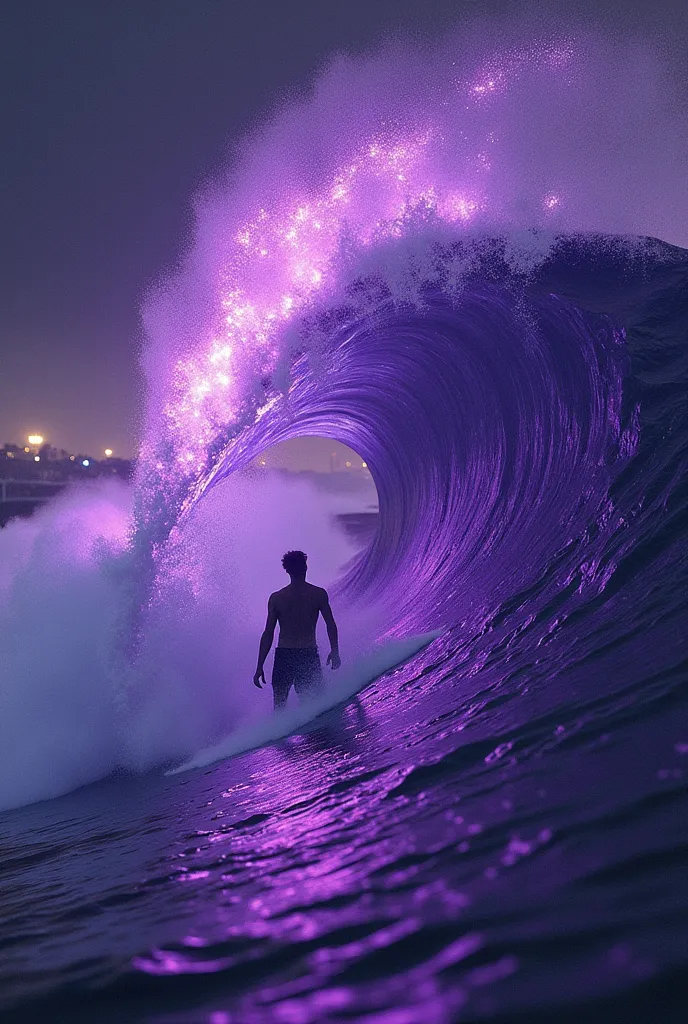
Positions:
(494, 421)
(491, 426)
(413, 290)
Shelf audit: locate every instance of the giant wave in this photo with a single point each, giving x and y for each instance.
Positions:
(427, 289)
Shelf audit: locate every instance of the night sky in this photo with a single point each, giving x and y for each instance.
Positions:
(111, 116)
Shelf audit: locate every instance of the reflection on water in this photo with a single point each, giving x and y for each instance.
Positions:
(448, 853)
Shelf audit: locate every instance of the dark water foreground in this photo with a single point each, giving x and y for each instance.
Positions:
(497, 830)
(450, 847)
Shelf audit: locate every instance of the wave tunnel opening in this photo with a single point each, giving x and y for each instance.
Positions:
(479, 483)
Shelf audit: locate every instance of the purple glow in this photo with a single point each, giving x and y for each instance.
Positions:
(502, 148)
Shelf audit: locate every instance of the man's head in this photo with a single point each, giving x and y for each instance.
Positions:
(294, 562)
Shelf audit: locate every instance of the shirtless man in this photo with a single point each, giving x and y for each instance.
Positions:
(296, 607)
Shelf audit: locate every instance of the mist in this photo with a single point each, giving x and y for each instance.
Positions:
(74, 705)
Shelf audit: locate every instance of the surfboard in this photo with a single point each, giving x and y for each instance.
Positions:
(350, 681)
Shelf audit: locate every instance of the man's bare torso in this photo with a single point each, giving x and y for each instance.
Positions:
(297, 607)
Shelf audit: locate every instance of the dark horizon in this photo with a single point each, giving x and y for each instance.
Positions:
(318, 454)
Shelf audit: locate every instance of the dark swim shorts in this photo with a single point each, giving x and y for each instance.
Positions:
(298, 667)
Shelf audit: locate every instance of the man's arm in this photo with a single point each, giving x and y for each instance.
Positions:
(333, 636)
(265, 643)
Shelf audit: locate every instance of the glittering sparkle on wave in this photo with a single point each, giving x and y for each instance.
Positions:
(282, 259)
(293, 255)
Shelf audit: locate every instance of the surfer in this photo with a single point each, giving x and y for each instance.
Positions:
(296, 607)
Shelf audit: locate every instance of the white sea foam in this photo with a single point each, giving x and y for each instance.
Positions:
(73, 708)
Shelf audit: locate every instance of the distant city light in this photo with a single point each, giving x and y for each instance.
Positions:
(36, 458)
(86, 462)
(72, 458)
(364, 465)
(348, 465)
(35, 439)
(108, 453)
(27, 450)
